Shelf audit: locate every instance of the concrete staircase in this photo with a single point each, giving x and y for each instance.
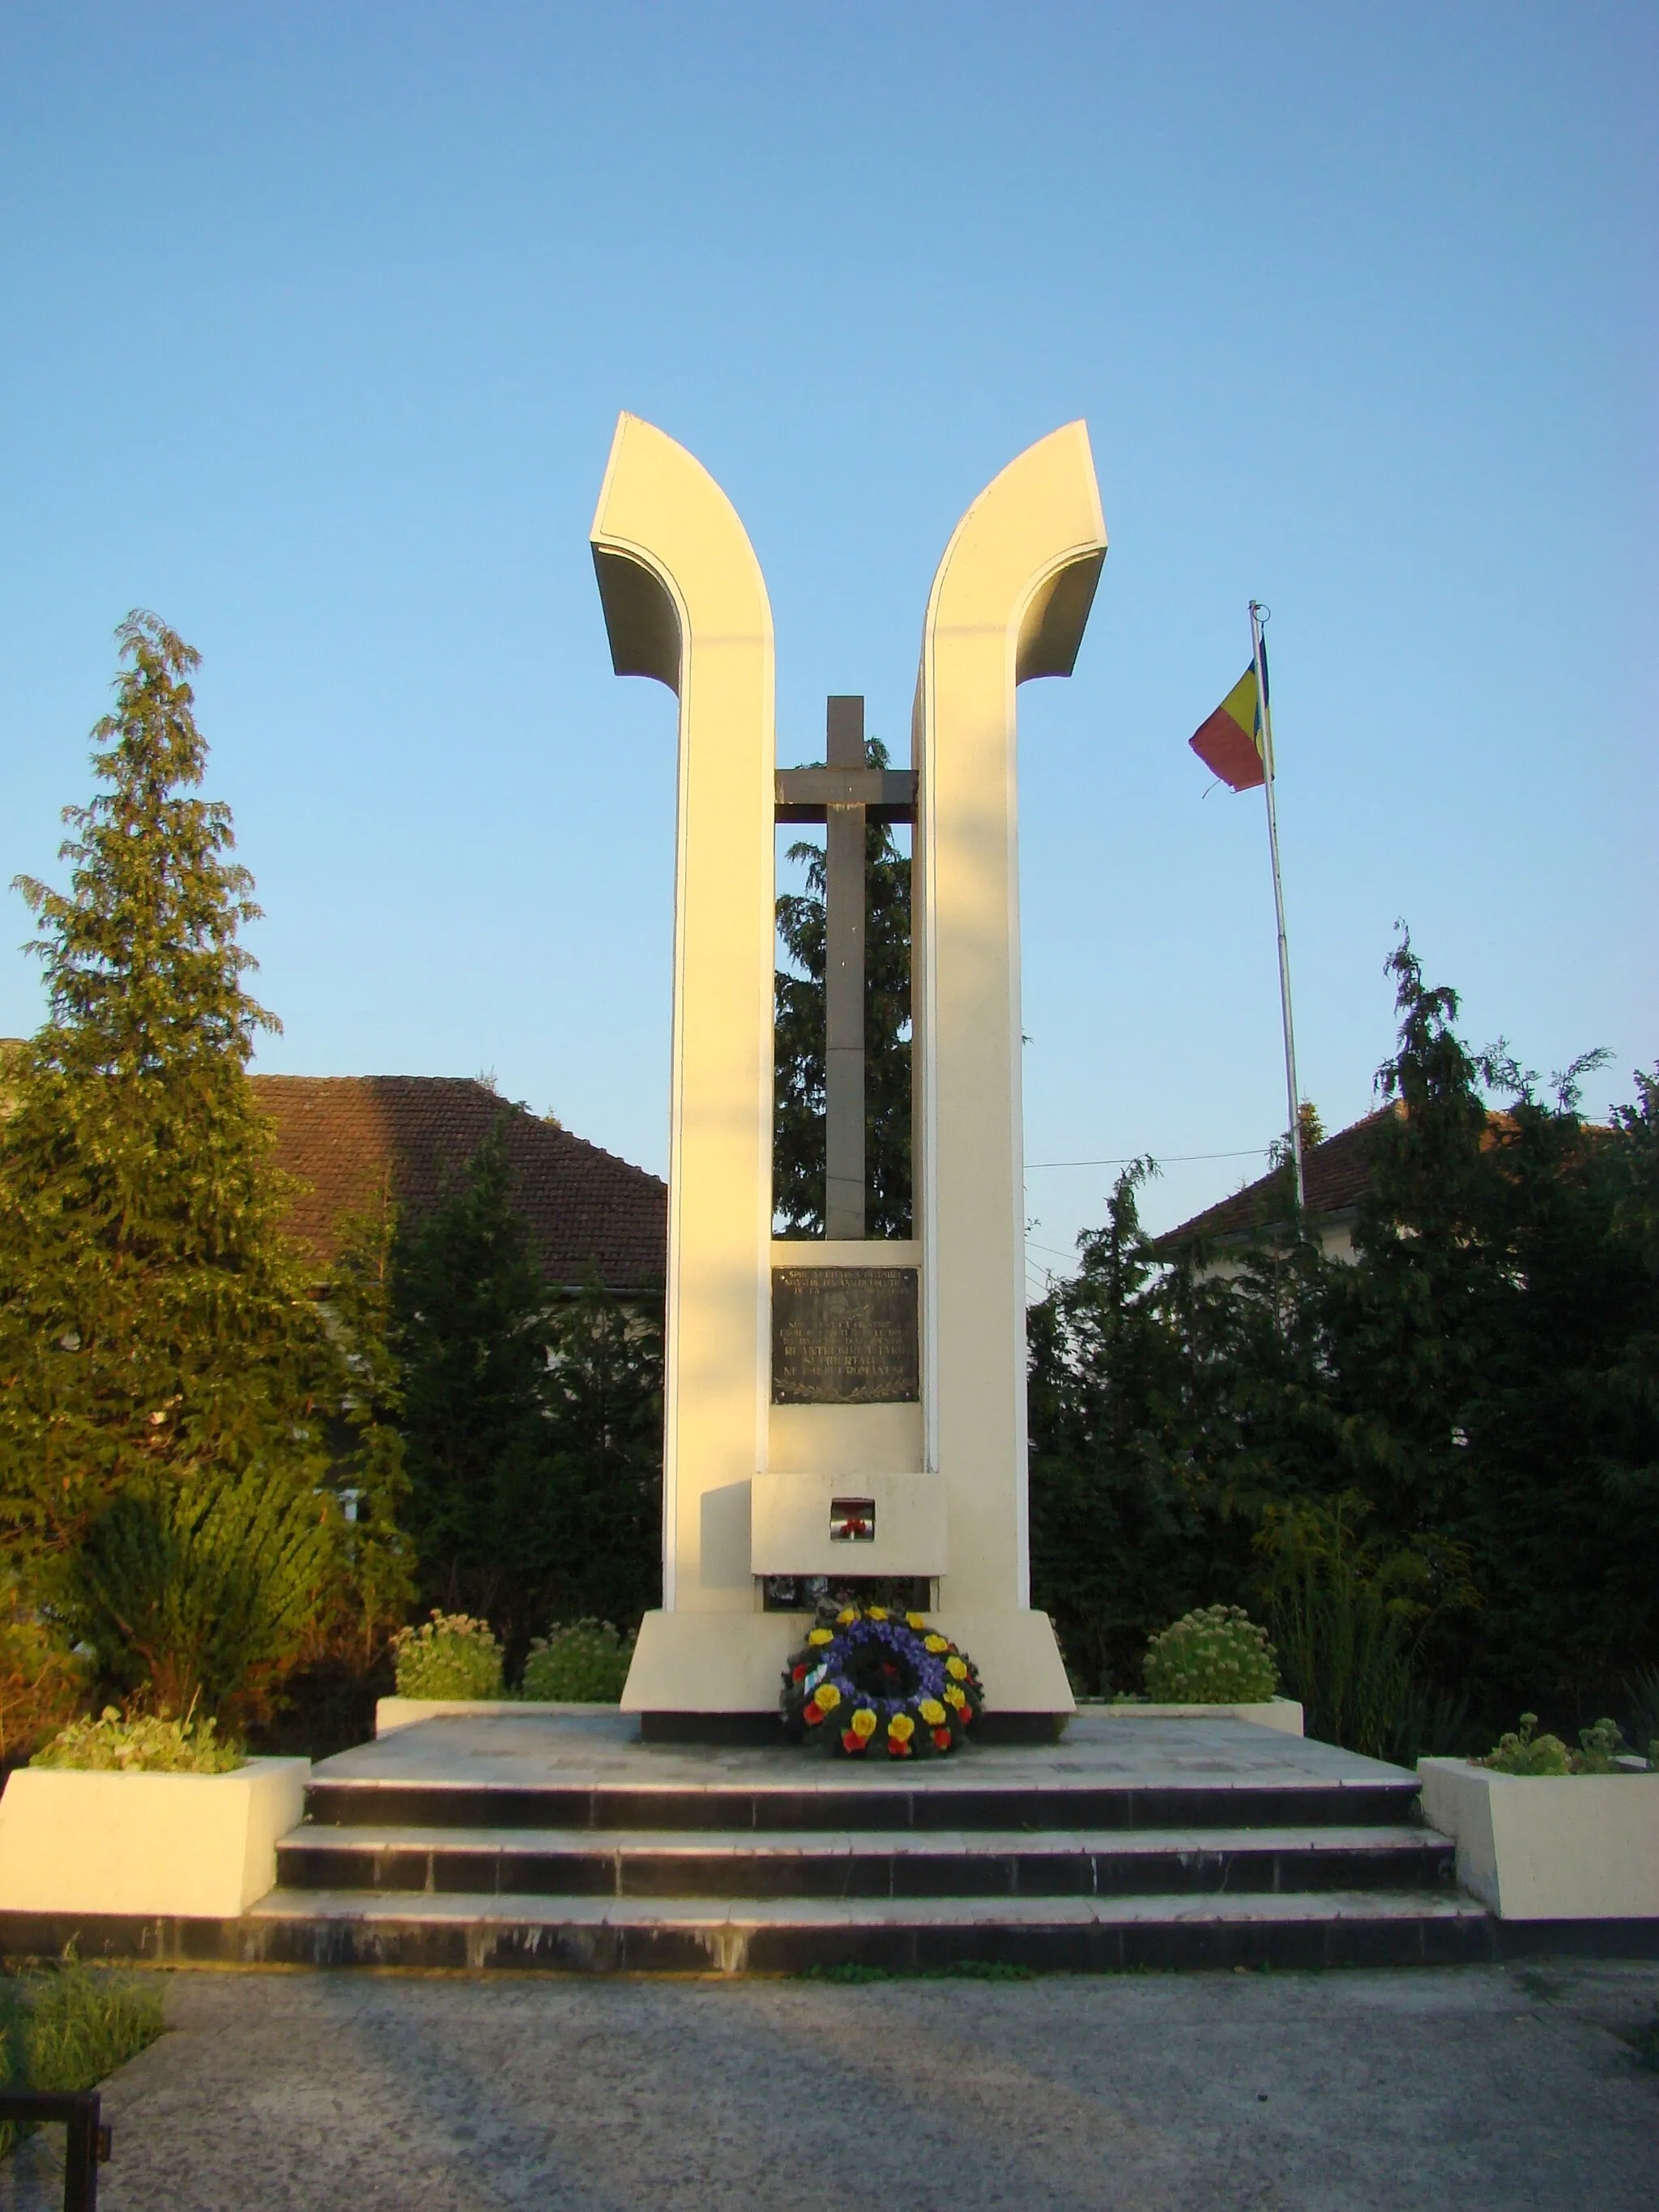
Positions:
(1052, 1867)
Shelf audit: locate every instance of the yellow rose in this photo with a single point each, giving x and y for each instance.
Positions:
(863, 1722)
(937, 1643)
(915, 1621)
(821, 1636)
(931, 1711)
(829, 1697)
(956, 1669)
(847, 1615)
(875, 1613)
(954, 1697)
(900, 1728)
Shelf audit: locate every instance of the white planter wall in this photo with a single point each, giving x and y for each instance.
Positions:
(392, 1713)
(195, 1846)
(1284, 1714)
(1549, 1847)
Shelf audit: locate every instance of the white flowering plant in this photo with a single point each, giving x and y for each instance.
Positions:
(1215, 1656)
(451, 1656)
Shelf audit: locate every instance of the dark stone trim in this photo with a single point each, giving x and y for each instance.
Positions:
(711, 1727)
(413, 1945)
(858, 1802)
(994, 1728)
(1433, 1940)
(1266, 1868)
(1577, 1939)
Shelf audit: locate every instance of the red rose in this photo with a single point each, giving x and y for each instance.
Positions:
(799, 1675)
(964, 1714)
(851, 1740)
(810, 1713)
(896, 1749)
(942, 1738)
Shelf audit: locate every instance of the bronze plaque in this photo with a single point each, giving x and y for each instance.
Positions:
(844, 1336)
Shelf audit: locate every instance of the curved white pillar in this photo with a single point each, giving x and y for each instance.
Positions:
(685, 603)
(1009, 602)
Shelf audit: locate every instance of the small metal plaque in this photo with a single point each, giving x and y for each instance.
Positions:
(852, 1520)
(844, 1336)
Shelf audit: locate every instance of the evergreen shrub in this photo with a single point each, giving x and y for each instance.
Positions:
(141, 1743)
(450, 1656)
(531, 1420)
(578, 1663)
(1215, 1656)
(205, 1587)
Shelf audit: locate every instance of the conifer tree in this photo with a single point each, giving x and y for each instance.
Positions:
(799, 1038)
(161, 1356)
(531, 1418)
(469, 1321)
(1479, 1389)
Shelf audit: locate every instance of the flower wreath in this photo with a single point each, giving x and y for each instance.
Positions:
(868, 1680)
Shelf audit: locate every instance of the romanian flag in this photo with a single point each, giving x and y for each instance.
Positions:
(1229, 743)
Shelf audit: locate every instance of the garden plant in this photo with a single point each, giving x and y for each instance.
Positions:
(142, 1743)
(578, 1663)
(1216, 1655)
(450, 1656)
(1601, 1748)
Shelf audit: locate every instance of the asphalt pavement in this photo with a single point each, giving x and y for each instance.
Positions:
(1505, 2088)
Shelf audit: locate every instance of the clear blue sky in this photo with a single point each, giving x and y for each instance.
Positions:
(315, 319)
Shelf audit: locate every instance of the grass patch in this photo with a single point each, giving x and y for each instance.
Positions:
(66, 2027)
(960, 1970)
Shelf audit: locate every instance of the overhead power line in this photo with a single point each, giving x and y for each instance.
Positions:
(1250, 1152)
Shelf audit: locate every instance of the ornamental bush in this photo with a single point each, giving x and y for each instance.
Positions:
(141, 1743)
(204, 1588)
(578, 1663)
(1214, 1656)
(450, 1656)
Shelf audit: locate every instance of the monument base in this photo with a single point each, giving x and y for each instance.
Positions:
(690, 1668)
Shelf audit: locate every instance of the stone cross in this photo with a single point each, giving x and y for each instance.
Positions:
(845, 793)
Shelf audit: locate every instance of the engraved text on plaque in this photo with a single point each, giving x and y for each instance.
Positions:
(844, 1336)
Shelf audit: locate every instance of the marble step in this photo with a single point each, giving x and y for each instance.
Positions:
(858, 1863)
(707, 1936)
(1377, 1797)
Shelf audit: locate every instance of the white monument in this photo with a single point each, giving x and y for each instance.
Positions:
(869, 1420)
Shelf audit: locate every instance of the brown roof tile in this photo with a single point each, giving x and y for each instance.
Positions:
(345, 1136)
(1336, 1174)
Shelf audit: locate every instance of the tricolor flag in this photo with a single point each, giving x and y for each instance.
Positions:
(1229, 743)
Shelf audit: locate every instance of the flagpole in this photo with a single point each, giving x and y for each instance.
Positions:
(1259, 654)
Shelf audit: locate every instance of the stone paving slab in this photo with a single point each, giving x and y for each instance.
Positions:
(1493, 2089)
(602, 1749)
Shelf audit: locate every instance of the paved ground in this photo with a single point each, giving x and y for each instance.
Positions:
(590, 1746)
(1492, 2089)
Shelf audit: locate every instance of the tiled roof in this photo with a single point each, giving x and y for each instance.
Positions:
(345, 1136)
(1336, 1175)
